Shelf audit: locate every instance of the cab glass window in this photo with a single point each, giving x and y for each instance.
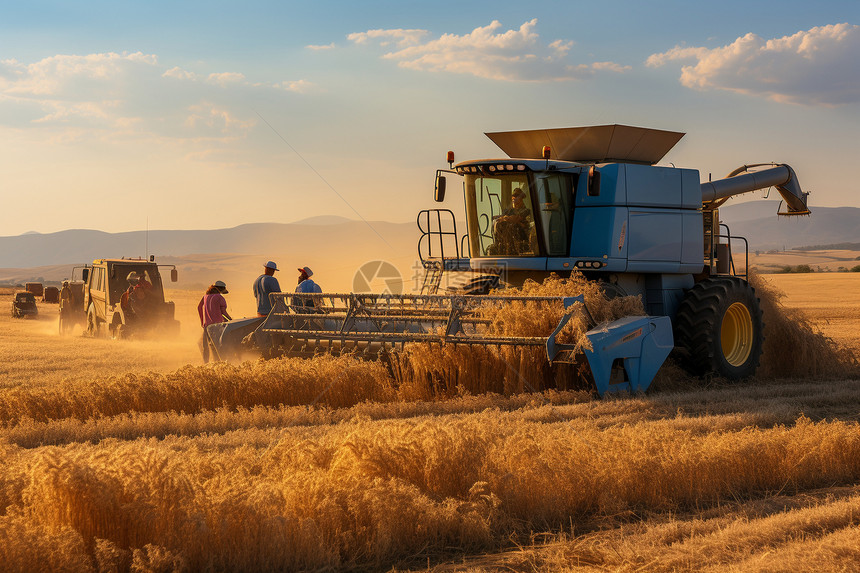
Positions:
(555, 197)
(500, 216)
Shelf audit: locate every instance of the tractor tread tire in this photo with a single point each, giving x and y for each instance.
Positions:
(699, 322)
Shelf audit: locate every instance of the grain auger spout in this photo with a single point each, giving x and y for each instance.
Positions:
(624, 354)
(744, 179)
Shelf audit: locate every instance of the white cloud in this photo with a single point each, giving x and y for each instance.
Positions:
(486, 52)
(299, 86)
(179, 73)
(126, 96)
(215, 117)
(610, 66)
(319, 48)
(226, 78)
(398, 37)
(819, 66)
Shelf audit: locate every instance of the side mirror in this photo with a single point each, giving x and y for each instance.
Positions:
(85, 274)
(593, 182)
(439, 192)
(174, 275)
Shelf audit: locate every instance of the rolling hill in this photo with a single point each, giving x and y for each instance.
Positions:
(335, 247)
(759, 223)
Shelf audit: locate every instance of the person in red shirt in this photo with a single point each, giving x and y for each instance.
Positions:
(212, 309)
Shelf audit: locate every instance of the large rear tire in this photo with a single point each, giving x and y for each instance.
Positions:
(719, 324)
(95, 327)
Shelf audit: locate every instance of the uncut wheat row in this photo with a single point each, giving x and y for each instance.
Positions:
(373, 494)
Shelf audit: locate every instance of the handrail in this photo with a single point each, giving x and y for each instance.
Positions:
(728, 235)
(429, 233)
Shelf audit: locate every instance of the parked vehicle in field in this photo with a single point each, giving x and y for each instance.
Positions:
(72, 310)
(24, 305)
(36, 288)
(120, 298)
(51, 295)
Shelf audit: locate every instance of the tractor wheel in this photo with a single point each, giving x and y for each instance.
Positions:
(719, 324)
(94, 325)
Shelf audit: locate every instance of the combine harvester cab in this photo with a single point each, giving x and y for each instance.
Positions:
(586, 200)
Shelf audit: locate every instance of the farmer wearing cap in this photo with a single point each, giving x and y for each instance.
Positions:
(140, 299)
(266, 283)
(306, 285)
(127, 301)
(212, 309)
(511, 229)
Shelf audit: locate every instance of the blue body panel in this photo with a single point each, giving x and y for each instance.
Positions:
(641, 343)
(645, 219)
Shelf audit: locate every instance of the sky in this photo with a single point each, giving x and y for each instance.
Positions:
(122, 115)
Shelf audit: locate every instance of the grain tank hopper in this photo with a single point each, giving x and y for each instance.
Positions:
(588, 200)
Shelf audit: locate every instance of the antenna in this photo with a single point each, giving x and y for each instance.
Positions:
(147, 237)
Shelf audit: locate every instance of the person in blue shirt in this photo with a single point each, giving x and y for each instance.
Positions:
(266, 283)
(306, 285)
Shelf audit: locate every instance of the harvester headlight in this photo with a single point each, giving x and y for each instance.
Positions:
(521, 167)
(492, 167)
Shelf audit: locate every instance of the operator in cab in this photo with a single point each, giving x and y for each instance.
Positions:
(126, 300)
(511, 229)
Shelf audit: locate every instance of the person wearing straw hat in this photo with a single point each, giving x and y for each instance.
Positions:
(212, 309)
(265, 284)
(306, 285)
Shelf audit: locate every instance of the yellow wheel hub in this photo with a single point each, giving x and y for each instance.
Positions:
(736, 334)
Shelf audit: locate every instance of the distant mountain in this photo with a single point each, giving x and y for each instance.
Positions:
(333, 250)
(335, 247)
(759, 223)
(324, 220)
(77, 245)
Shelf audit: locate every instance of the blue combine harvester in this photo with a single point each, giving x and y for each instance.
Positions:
(587, 199)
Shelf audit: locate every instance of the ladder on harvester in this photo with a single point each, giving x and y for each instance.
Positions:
(439, 228)
(433, 272)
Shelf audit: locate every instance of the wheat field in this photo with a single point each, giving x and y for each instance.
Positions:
(132, 456)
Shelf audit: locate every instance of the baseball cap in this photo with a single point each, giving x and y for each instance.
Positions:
(307, 271)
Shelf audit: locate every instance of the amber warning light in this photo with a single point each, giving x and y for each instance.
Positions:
(450, 158)
(546, 152)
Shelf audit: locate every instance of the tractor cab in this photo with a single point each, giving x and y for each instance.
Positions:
(125, 296)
